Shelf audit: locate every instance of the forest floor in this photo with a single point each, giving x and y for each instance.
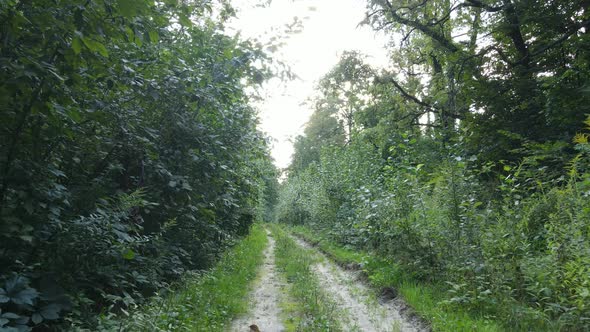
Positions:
(357, 306)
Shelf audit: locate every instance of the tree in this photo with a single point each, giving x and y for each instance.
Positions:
(130, 154)
(493, 65)
(322, 130)
(345, 87)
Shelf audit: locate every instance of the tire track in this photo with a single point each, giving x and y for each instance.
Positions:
(265, 310)
(354, 298)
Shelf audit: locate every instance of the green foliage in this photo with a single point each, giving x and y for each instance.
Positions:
(129, 156)
(389, 278)
(461, 169)
(201, 301)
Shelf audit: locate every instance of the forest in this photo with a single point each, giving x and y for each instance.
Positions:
(131, 161)
(466, 163)
(129, 153)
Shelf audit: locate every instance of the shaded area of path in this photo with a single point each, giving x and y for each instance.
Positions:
(361, 310)
(264, 300)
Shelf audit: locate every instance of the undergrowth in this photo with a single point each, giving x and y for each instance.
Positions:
(425, 299)
(203, 301)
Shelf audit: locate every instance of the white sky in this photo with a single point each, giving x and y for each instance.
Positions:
(329, 28)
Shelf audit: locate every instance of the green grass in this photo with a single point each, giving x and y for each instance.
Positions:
(309, 308)
(206, 301)
(424, 298)
(339, 254)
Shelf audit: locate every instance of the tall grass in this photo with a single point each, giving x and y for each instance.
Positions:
(427, 300)
(204, 301)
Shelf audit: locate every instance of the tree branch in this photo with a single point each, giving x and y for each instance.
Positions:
(405, 94)
(436, 36)
(559, 40)
(515, 33)
(479, 4)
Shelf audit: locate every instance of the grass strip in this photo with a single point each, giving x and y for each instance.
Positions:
(309, 308)
(425, 299)
(207, 301)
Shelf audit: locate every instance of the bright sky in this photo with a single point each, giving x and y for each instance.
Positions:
(329, 28)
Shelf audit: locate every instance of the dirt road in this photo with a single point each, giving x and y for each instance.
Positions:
(360, 309)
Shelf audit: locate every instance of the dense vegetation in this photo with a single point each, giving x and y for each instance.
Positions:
(467, 161)
(204, 301)
(129, 153)
(130, 156)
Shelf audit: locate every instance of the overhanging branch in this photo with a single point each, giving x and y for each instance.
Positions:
(435, 35)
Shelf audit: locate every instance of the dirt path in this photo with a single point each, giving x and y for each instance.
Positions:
(364, 311)
(265, 311)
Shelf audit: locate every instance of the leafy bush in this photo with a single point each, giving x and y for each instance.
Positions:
(129, 156)
(519, 252)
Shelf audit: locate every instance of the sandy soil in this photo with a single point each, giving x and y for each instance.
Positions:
(361, 310)
(265, 311)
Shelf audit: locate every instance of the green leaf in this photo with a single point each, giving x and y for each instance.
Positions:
(25, 296)
(128, 8)
(153, 36)
(10, 315)
(95, 46)
(89, 44)
(26, 238)
(102, 49)
(138, 41)
(77, 45)
(37, 318)
(185, 20)
(75, 115)
(19, 292)
(3, 297)
(130, 34)
(51, 311)
(128, 254)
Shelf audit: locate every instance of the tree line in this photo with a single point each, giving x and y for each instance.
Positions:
(466, 160)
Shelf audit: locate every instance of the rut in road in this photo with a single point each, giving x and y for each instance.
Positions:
(265, 299)
(361, 311)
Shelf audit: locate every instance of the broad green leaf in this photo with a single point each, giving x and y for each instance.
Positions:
(10, 315)
(26, 238)
(3, 297)
(76, 45)
(130, 34)
(129, 8)
(128, 254)
(153, 36)
(138, 40)
(75, 115)
(37, 318)
(95, 46)
(25, 296)
(102, 49)
(184, 20)
(89, 44)
(51, 311)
